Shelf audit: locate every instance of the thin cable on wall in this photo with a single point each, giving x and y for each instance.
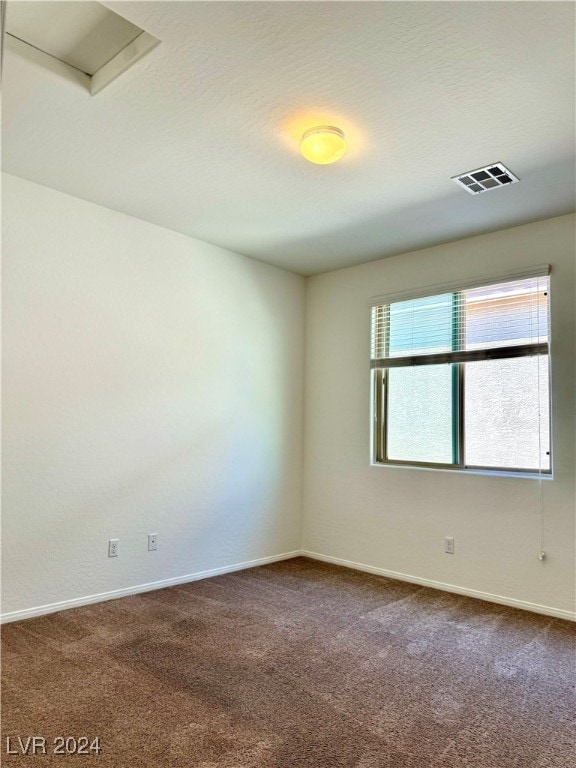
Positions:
(542, 551)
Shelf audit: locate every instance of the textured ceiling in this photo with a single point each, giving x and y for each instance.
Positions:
(202, 135)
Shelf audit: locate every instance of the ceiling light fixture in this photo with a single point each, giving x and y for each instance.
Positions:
(323, 145)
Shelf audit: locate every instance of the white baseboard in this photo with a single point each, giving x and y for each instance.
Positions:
(509, 601)
(29, 613)
(76, 602)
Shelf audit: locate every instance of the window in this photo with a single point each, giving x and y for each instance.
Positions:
(461, 379)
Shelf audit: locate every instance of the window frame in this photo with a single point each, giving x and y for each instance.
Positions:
(380, 390)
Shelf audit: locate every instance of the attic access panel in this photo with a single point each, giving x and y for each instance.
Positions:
(92, 41)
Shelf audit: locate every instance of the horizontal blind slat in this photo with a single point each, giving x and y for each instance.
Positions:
(508, 316)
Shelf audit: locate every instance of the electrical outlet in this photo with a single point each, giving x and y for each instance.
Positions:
(113, 547)
(152, 542)
(449, 545)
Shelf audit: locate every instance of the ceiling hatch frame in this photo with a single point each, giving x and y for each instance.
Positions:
(94, 83)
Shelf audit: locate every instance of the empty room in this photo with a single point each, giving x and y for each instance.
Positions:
(288, 384)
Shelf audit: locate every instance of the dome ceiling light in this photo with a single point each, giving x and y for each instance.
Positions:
(323, 144)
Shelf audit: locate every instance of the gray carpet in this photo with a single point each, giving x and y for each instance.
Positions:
(294, 665)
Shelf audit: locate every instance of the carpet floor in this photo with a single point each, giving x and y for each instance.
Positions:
(298, 664)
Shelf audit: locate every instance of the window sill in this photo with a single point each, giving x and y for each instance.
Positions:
(485, 472)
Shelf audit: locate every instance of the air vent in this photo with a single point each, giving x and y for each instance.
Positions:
(82, 41)
(484, 179)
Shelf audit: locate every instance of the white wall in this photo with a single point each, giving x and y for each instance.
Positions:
(152, 383)
(395, 519)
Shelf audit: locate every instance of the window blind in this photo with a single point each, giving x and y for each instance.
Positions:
(502, 320)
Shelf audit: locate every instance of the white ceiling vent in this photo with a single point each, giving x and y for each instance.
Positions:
(483, 179)
(83, 41)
